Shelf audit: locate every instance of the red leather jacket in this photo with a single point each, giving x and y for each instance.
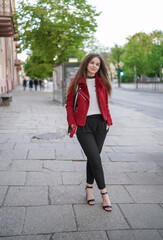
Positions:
(82, 104)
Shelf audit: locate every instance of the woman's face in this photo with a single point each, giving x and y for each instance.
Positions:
(93, 66)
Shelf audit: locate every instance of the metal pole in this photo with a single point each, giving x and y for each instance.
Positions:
(135, 78)
(118, 77)
(160, 72)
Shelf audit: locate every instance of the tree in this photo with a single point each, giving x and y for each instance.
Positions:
(107, 58)
(115, 58)
(135, 52)
(155, 56)
(92, 45)
(54, 30)
(142, 53)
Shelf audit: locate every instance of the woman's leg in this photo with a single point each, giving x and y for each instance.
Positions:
(89, 175)
(100, 138)
(91, 150)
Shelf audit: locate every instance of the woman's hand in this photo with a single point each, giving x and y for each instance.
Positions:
(107, 127)
(72, 127)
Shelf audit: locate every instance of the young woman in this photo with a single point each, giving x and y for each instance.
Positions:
(90, 119)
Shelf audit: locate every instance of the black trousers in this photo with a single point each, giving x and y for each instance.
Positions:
(91, 138)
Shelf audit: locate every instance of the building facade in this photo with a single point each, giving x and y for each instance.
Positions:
(9, 64)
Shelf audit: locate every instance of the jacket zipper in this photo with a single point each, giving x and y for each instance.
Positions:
(83, 95)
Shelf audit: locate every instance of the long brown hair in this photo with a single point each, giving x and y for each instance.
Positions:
(82, 71)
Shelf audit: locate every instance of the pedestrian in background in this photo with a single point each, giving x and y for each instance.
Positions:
(36, 83)
(30, 84)
(24, 83)
(89, 117)
(41, 84)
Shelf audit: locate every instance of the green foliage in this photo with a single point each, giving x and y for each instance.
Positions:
(143, 51)
(128, 75)
(115, 55)
(136, 50)
(92, 45)
(54, 30)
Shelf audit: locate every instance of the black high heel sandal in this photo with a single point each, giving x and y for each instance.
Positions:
(105, 207)
(91, 200)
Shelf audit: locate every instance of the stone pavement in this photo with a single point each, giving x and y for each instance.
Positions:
(42, 181)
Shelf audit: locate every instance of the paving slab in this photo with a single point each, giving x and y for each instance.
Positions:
(58, 166)
(67, 194)
(39, 178)
(111, 140)
(41, 154)
(91, 218)
(54, 145)
(160, 164)
(146, 178)
(122, 149)
(7, 146)
(28, 237)
(132, 131)
(27, 165)
(146, 194)
(79, 166)
(117, 178)
(71, 146)
(118, 194)
(131, 167)
(107, 149)
(161, 233)
(28, 146)
(5, 164)
(4, 139)
(121, 156)
(91, 235)
(69, 154)
(136, 141)
(27, 196)
(13, 154)
(11, 220)
(3, 191)
(12, 178)
(104, 157)
(73, 177)
(139, 156)
(49, 219)
(155, 151)
(143, 216)
(134, 235)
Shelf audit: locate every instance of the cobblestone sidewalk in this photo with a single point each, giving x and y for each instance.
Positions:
(42, 181)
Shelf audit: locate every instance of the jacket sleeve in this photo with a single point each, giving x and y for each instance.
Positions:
(109, 119)
(70, 108)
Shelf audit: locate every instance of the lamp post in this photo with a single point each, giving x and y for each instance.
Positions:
(160, 70)
(120, 73)
(135, 79)
(157, 42)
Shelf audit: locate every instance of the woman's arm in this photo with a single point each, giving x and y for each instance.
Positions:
(70, 109)
(109, 119)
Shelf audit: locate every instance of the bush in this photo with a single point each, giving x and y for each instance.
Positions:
(128, 77)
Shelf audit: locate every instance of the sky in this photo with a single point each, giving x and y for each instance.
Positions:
(123, 18)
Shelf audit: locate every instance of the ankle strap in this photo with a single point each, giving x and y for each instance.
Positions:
(88, 187)
(104, 193)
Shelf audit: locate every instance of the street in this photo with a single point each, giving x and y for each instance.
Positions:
(145, 102)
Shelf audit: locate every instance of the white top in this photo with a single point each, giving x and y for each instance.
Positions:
(93, 102)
